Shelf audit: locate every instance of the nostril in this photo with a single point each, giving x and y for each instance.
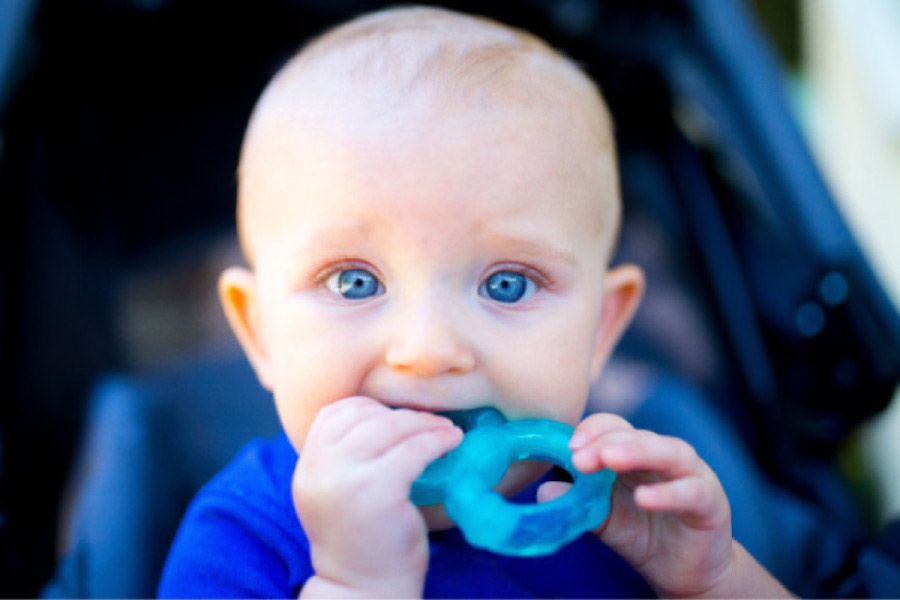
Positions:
(429, 358)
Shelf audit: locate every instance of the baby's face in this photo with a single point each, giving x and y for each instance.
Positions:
(435, 262)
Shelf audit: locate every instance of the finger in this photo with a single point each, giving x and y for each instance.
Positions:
(640, 450)
(404, 461)
(371, 438)
(595, 426)
(551, 490)
(334, 420)
(699, 498)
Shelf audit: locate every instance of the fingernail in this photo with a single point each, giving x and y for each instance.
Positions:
(578, 440)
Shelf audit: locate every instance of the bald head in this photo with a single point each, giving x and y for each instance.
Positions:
(395, 65)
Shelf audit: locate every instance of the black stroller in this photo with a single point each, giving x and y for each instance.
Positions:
(759, 300)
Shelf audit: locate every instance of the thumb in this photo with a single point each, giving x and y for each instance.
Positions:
(552, 489)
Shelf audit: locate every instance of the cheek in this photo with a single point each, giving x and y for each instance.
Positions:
(304, 382)
(546, 370)
(314, 363)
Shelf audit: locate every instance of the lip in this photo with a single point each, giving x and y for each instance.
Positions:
(429, 405)
(428, 395)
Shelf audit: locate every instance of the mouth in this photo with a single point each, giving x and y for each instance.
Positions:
(464, 418)
(468, 419)
(442, 404)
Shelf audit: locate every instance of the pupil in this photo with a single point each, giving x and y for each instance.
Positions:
(356, 284)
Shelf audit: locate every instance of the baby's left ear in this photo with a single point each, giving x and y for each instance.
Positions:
(623, 288)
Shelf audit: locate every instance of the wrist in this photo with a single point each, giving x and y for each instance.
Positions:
(322, 587)
(743, 578)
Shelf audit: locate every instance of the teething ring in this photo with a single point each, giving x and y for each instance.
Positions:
(464, 480)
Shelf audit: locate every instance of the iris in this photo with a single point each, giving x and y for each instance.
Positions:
(507, 286)
(355, 284)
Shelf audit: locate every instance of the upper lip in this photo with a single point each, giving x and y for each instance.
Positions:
(427, 405)
(431, 402)
(428, 395)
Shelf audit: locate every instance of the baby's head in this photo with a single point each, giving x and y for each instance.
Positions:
(428, 203)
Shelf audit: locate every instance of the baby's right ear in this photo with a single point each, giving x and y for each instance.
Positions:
(238, 293)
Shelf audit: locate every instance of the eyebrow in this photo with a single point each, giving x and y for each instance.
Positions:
(519, 246)
(329, 240)
(334, 236)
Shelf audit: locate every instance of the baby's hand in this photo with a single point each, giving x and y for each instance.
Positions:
(670, 517)
(351, 490)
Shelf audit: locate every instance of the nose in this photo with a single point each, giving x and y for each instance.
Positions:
(427, 342)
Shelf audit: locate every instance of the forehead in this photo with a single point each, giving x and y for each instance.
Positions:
(410, 123)
(447, 164)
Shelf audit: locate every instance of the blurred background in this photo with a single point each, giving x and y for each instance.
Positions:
(119, 132)
(847, 92)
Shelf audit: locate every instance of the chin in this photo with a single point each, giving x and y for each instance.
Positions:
(520, 475)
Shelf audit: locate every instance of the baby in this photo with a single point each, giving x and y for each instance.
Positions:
(429, 202)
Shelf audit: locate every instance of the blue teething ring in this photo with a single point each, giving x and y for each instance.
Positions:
(464, 480)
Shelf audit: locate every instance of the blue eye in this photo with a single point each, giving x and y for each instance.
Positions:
(507, 287)
(354, 284)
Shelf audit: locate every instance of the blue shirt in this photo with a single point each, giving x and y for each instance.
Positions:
(241, 538)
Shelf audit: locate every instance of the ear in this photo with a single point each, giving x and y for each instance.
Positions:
(238, 293)
(623, 288)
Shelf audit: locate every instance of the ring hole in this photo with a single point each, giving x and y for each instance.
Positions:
(525, 471)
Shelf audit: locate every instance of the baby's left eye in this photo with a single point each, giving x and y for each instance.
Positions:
(508, 287)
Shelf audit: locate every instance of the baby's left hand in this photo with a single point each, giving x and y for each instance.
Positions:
(670, 517)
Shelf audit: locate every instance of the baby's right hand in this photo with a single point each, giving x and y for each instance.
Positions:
(351, 490)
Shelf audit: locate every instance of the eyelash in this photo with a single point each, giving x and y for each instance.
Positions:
(541, 280)
(321, 273)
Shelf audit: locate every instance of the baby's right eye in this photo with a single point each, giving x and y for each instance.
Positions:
(354, 284)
